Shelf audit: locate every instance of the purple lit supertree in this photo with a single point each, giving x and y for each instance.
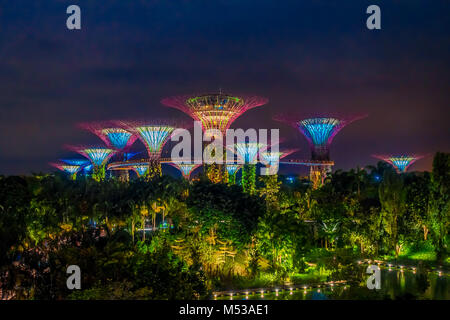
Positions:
(185, 168)
(71, 169)
(98, 156)
(401, 163)
(319, 131)
(153, 134)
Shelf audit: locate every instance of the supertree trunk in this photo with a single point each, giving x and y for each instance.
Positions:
(154, 169)
(99, 173)
(249, 178)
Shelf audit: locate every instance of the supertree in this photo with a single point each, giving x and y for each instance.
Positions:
(111, 133)
(273, 158)
(401, 163)
(154, 135)
(98, 156)
(214, 111)
(247, 153)
(185, 168)
(71, 169)
(140, 169)
(232, 170)
(320, 132)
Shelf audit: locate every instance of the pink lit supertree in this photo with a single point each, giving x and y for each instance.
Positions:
(71, 169)
(98, 155)
(402, 162)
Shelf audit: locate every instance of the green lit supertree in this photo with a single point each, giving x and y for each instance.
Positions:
(247, 153)
(71, 169)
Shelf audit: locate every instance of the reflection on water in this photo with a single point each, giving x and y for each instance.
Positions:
(394, 285)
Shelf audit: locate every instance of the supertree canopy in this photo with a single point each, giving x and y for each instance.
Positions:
(400, 162)
(248, 151)
(232, 170)
(216, 110)
(77, 162)
(272, 158)
(112, 134)
(185, 168)
(71, 169)
(97, 155)
(154, 135)
(141, 170)
(320, 131)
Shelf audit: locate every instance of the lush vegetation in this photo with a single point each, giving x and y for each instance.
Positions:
(217, 236)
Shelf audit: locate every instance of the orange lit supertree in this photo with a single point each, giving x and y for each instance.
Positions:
(71, 169)
(214, 111)
(402, 162)
(98, 155)
(319, 131)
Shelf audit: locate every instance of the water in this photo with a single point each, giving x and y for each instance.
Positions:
(394, 285)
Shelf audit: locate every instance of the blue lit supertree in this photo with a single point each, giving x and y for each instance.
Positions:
(273, 158)
(247, 153)
(185, 168)
(154, 135)
(319, 131)
(111, 133)
(71, 169)
(232, 170)
(401, 163)
(98, 156)
(140, 169)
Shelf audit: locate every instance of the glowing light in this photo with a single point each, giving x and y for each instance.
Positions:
(118, 137)
(400, 162)
(319, 131)
(154, 137)
(71, 169)
(98, 156)
(232, 168)
(76, 162)
(215, 111)
(248, 151)
(262, 293)
(185, 168)
(276, 292)
(141, 170)
(112, 136)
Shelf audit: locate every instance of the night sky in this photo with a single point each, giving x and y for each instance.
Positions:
(305, 58)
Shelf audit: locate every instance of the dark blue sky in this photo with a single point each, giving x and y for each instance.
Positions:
(306, 58)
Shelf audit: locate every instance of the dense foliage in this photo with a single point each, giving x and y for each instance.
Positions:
(202, 236)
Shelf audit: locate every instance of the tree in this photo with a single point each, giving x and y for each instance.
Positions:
(439, 205)
(392, 198)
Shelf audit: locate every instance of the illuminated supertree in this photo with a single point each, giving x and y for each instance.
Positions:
(247, 153)
(401, 163)
(141, 170)
(232, 170)
(71, 169)
(154, 135)
(112, 134)
(98, 156)
(185, 168)
(319, 131)
(214, 111)
(273, 158)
